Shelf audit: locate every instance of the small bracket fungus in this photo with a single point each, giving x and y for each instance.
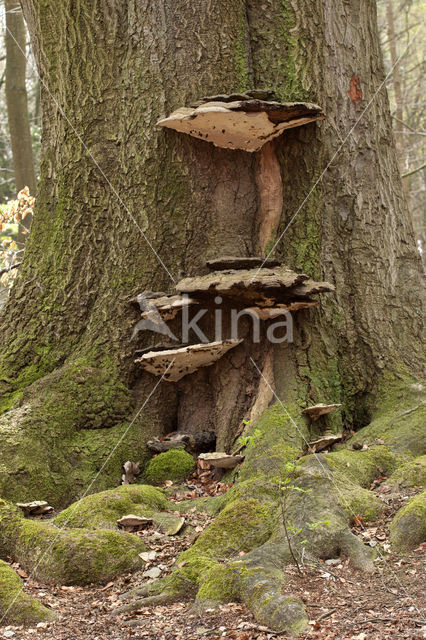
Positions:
(318, 410)
(133, 523)
(174, 364)
(36, 508)
(221, 460)
(324, 442)
(244, 123)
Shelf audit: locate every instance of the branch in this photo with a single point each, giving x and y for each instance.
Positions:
(421, 133)
(7, 269)
(410, 173)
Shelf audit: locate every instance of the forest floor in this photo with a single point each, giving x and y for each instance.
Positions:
(342, 603)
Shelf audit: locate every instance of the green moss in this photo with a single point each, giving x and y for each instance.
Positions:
(398, 418)
(411, 474)
(241, 52)
(362, 467)
(66, 556)
(242, 525)
(408, 528)
(277, 441)
(102, 510)
(220, 584)
(174, 465)
(63, 429)
(17, 607)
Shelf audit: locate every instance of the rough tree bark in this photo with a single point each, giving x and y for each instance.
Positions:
(17, 104)
(110, 181)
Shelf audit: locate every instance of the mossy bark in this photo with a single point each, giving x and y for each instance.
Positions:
(111, 181)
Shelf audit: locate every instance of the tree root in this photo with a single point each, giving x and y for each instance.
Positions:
(17, 607)
(66, 556)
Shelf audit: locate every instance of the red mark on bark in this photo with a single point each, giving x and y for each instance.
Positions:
(355, 92)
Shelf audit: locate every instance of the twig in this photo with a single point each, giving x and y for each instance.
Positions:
(326, 614)
(6, 269)
(410, 173)
(359, 622)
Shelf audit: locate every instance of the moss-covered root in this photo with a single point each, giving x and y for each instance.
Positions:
(102, 510)
(66, 556)
(16, 606)
(408, 528)
(258, 583)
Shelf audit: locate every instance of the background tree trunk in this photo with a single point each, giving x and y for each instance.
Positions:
(111, 181)
(17, 105)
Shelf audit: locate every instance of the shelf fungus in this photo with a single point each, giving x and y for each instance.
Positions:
(245, 122)
(36, 508)
(274, 287)
(134, 523)
(221, 460)
(325, 441)
(318, 410)
(174, 364)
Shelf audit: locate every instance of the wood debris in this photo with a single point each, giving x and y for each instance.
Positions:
(131, 470)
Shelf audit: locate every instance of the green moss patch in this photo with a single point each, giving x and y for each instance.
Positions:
(66, 556)
(17, 607)
(174, 465)
(102, 510)
(411, 474)
(408, 528)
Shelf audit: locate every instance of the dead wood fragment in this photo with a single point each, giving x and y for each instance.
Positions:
(131, 470)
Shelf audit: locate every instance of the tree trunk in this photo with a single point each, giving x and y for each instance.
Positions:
(17, 105)
(124, 206)
(397, 87)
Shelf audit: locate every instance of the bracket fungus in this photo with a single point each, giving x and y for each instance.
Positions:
(178, 363)
(134, 523)
(221, 460)
(318, 410)
(245, 123)
(36, 508)
(262, 287)
(325, 441)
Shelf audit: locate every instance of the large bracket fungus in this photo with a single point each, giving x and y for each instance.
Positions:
(248, 122)
(277, 287)
(245, 123)
(174, 364)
